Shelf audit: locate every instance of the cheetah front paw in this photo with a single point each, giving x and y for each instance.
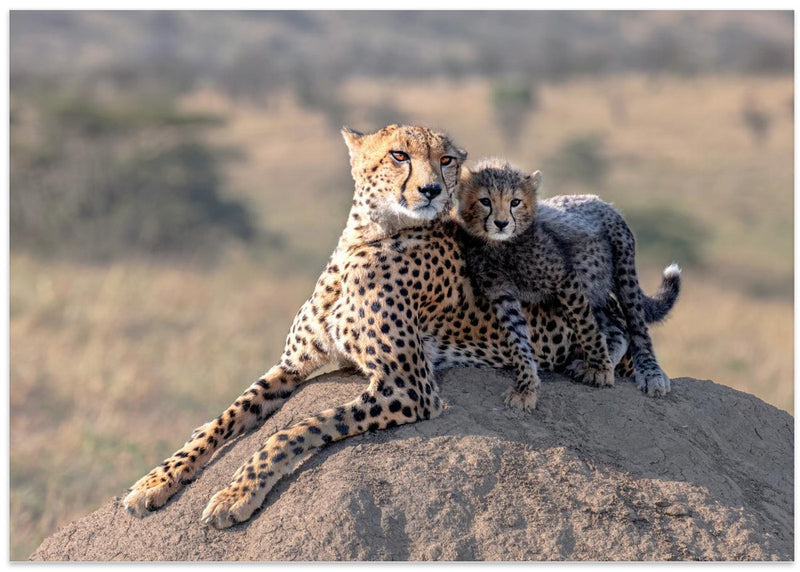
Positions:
(654, 382)
(599, 375)
(151, 491)
(523, 400)
(233, 504)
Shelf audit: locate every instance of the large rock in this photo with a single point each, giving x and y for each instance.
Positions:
(593, 474)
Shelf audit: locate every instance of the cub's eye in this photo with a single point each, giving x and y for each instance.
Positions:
(399, 156)
(515, 202)
(486, 202)
(447, 160)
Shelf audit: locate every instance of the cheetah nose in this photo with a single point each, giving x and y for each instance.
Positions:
(431, 191)
(501, 224)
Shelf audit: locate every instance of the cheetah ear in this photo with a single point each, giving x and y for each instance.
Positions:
(352, 139)
(534, 181)
(465, 176)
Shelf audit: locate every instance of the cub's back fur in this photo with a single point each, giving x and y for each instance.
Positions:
(584, 224)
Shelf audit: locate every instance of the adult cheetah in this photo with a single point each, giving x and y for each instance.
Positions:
(393, 301)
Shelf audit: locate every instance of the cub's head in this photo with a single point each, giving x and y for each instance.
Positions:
(496, 201)
(403, 174)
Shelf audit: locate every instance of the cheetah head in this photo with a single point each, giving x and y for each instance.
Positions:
(403, 174)
(496, 202)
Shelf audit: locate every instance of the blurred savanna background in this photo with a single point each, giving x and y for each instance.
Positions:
(178, 181)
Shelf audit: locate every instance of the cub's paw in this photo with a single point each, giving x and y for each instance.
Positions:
(522, 400)
(591, 374)
(233, 504)
(654, 382)
(153, 490)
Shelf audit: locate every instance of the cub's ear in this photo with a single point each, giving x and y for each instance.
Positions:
(352, 139)
(534, 181)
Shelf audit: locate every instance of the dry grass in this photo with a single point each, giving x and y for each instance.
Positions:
(113, 366)
(725, 336)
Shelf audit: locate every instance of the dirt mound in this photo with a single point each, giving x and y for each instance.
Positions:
(593, 474)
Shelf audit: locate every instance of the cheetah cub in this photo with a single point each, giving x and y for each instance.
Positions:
(574, 251)
(513, 259)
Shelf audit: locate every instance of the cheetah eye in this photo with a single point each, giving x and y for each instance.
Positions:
(515, 203)
(486, 202)
(399, 156)
(446, 160)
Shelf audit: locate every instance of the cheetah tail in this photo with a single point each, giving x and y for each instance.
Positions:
(657, 307)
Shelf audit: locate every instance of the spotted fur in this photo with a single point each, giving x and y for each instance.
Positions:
(393, 301)
(576, 249)
(512, 258)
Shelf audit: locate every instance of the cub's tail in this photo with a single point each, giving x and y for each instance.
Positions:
(657, 307)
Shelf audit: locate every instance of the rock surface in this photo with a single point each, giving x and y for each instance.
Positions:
(706, 473)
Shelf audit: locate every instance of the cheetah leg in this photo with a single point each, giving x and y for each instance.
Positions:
(618, 346)
(385, 404)
(611, 322)
(523, 395)
(596, 368)
(649, 376)
(249, 410)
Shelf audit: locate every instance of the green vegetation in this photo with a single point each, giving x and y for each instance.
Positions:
(513, 100)
(663, 233)
(264, 50)
(92, 117)
(100, 179)
(581, 160)
(757, 121)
